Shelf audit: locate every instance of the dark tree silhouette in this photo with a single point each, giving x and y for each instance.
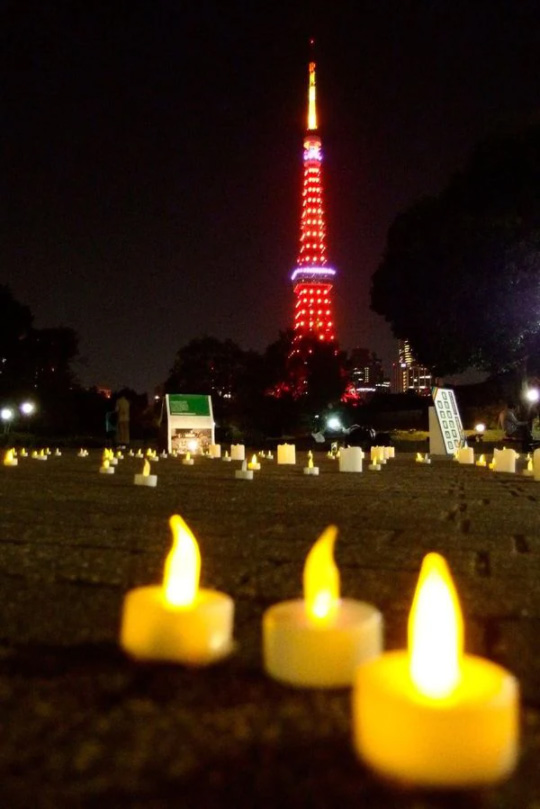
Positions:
(460, 278)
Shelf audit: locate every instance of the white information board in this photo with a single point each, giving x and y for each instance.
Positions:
(447, 423)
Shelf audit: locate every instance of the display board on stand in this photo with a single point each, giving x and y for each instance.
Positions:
(445, 428)
(190, 422)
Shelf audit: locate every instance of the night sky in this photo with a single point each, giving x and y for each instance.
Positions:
(153, 156)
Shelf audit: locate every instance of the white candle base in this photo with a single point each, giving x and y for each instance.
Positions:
(375, 467)
(188, 462)
(12, 462)
(145, 480)
(298, 653)
(227, 458)
(254, 466)
(196, 636)
(106, 470)
(113, 461)
(243, 474)
(467, 740)
(311, 470)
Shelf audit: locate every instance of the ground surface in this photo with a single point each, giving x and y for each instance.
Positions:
(83, 726)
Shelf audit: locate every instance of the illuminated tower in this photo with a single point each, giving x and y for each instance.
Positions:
(312, 278)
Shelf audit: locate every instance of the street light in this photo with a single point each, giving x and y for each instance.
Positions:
(7, 415)
(27, 408)
(334, 423)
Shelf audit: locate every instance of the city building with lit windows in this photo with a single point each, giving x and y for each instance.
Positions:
(408, 374)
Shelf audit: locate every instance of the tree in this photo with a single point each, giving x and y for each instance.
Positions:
(460, 277)
(15, 326)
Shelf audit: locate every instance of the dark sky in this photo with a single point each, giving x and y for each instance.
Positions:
(153, 156)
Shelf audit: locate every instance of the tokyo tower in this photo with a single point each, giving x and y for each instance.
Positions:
(312, 278)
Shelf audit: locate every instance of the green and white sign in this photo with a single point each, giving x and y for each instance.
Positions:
(190, 422)
(189, 404)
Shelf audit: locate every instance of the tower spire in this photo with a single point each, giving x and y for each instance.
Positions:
(312, 100)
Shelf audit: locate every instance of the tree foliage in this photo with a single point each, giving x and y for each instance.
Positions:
(460, 278)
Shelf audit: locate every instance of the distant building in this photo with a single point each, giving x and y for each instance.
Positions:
(366, 375)
(408, 374)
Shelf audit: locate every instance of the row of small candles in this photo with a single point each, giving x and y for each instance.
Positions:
(350, 459)
(430, 715)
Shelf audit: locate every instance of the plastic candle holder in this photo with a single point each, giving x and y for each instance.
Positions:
(350, 459)
(238, 452)
(465, 455)
(178, 622)
(433, 716)
(319, 641)
(286, 454)
(504, 460)
(536, 464)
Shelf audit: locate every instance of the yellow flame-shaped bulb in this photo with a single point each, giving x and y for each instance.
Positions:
(321, 579)
(254, 459)
(435, 631)
(146, 468)
(182, 566)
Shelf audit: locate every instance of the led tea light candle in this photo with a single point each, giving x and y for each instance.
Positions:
(23, 453)
(481, 461)
(377, 455)
(310, 469)
(145, 478)
(178, 621)
(318, 641)
(434, 716)
(465, 455)
(529, 469)
(108, 455)
(39, 456)
(57, 453)
(238, 452)
(187, 460)
(226, 457)
(244, 473)
(425, 458)
(106, 468)
(10, 458)
(254, 464)
(350, 459)
(286, 454)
